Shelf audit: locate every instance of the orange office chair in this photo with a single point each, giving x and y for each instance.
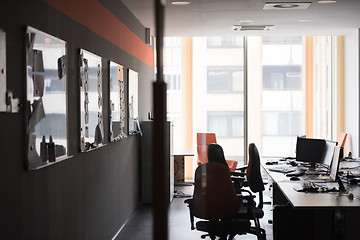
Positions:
(341, 139)
(203, 141)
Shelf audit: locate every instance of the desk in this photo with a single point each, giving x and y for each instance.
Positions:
(298, 215)
(179, 164)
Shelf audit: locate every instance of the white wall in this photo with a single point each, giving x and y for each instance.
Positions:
(352, 90)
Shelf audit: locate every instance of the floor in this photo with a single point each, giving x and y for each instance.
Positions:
(139, 226)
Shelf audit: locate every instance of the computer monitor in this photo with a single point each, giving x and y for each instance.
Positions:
(310, 150)
(335, 164)
(297, 137)
(328, 153)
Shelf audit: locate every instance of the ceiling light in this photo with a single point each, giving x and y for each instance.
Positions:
(251, 27)
(180, 3)
(286, 5)
(304, 20)
(326, 1)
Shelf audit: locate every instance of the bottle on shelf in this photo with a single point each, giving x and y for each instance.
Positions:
(43, 150)
(51, 150)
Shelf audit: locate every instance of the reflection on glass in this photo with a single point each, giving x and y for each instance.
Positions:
(117, 102)
(134, 126)
(46, 95)
(92, 129)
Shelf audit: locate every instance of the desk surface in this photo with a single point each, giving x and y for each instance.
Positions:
(309, 200)
(183, 152)
(318, 200)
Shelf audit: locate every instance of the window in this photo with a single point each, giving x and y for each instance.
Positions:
(172, 63)
(173, 78)
(225, 42)
(275, 96)
(280, 40)
(172, 81)
(225, 79)
(282, 77)
(281, 123)
(287, 94)
(226, 124)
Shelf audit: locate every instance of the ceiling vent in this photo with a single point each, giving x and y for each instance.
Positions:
(286, 5)
(251, 27)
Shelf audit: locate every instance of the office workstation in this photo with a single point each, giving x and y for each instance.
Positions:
(76, 85)
(320, 197)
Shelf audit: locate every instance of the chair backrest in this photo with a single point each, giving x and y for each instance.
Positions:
(215, 153)
(203, 141)
(214, 193)
(253, 173)
(341, 139)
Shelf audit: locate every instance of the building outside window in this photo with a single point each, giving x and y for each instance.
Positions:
(226, 124)
(225, 79)
(225, 42)
(283, 77)
(281, 123)
(173, 78)
(286, 96)
(218, 87)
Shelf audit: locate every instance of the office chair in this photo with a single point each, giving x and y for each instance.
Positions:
(253, 181)
(341, 140)
(203, 141)
(216, 203)
(248, 209)
(256, 185)
(215, 153)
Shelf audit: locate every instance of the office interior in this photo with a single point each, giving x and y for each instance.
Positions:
(92, 193)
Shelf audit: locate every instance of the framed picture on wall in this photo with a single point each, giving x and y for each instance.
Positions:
(133, 102)
(46, 94)
(92, 127)
(117, 102)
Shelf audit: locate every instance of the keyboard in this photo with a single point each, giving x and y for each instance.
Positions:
(282, 169)
(309, 186)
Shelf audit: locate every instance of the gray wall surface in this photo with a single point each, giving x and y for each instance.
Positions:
(90, 195)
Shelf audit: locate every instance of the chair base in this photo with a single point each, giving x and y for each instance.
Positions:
(225, 229)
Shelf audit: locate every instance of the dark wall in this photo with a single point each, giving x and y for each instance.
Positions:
(90, 195)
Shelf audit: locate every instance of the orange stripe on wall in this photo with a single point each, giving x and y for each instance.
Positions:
(100, 20)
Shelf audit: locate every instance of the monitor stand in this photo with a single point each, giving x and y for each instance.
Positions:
(312, 171)
(341, 185)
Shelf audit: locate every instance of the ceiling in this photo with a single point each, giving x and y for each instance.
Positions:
(216, 17)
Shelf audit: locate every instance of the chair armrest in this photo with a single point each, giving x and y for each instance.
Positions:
(238, 174)
(242, 169)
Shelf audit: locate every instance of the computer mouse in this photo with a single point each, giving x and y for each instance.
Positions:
(293, 163)
(269, 163)
(354, 181)
(294, 178)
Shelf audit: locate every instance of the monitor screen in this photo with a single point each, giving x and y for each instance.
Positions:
(335, 163)
(310, 150)
(299, 136)
(328, 153)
